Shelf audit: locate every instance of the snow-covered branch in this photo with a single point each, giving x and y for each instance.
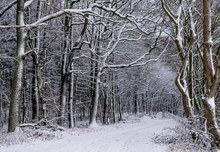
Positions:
(192, 23)
(30, 52)
(136, 62)
(10, 5)
(28, 26)
(169, 12)
(28, 3)
(110, 50)
(128, 17)
(6, 8)
(60, 13)
(178, 26)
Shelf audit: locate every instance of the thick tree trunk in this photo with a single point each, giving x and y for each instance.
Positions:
(93, 74)
(35, 97)
(19, 68)
(64, 76)
(105, 106)
(35, 93)
(113, 108)
(119, 109)
(71, 96)
(147, 102)
(186, 102)
(93, 122)
(96, 80)
(135, 100)
(63, 99)
(212, 126)
(41, 79)
(182, 87)
(24, 99)
(190, 79)
(212, 75)
(1, 109)
(92, 84)
(135, 103)
(143, 103)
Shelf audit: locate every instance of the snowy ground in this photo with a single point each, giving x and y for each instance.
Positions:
(132, 136)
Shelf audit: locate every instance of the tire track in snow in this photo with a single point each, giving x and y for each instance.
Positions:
(128, 137)
(119, 140)
(126, 145)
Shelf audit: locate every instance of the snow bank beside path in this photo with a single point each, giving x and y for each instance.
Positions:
(130, 136)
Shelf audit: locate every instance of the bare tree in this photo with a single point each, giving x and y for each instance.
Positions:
(184, 52)
(211, 74)
(18, 75)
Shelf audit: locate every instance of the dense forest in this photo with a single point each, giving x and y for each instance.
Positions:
(66, 61)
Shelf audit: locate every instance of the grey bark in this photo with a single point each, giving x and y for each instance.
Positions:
(212, 75)
(19, 68)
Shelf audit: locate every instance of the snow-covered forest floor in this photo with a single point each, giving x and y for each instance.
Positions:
(135, 134)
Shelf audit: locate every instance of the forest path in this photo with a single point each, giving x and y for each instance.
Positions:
(133, 136)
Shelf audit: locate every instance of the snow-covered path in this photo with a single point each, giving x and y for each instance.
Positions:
(127, 137)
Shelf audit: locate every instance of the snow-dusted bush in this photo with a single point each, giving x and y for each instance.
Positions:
(13, 138)
(28, 134)
(187, 136)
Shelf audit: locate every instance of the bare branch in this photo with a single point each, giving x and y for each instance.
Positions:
(62, 12)
(28, 3)
(5, 9)
(30, 52)
(10, 5)
(135, 63)
(28, 26)
(169, 12)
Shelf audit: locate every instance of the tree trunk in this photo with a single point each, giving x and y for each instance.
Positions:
(41, 79)
(64, 75)
(135, 103)
(63, 99)
(71, 119)
(19, 68)
(24, 101)
(212, 126)
(1, 109)
(35, 97)
(113, 96)
(35, 93)
(105, 105)
(143, 103)
(93, 122)
(119, 109)
(212, 75)
(183, 88)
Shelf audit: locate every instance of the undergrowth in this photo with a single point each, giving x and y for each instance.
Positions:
(186, 137)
